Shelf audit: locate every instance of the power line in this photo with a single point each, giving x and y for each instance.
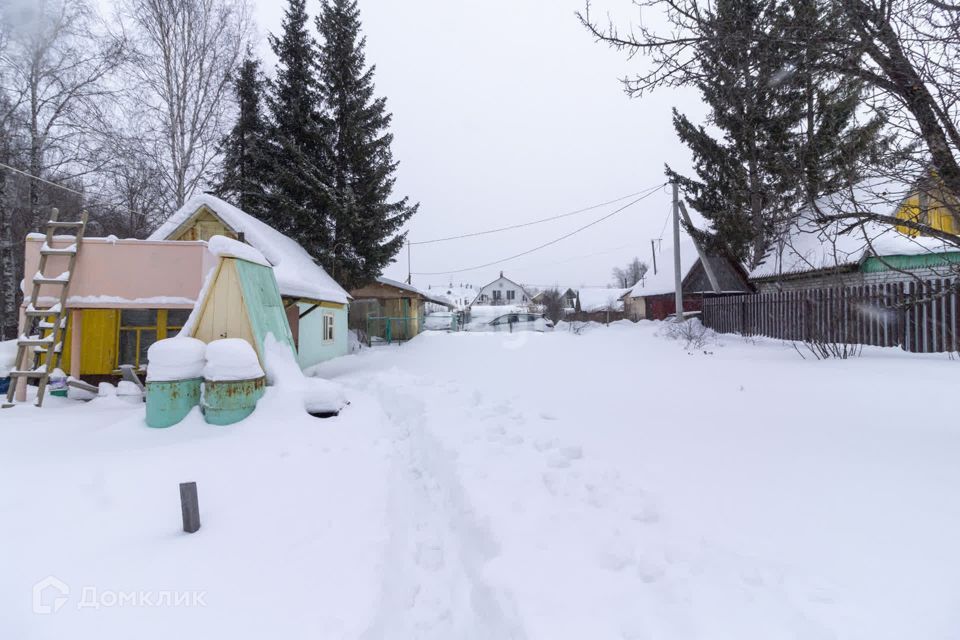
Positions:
(541, 220)
(544, 245)
(82, 194)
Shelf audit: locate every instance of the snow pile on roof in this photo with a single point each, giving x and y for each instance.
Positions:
(224, 247)
(601, 299)
(231, 359)
(664, 280)
(811, 245)
(175, 359)
(412, 289)
(296, 272)
(8, 356)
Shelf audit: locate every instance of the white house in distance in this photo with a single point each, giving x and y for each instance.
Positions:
(503, 290)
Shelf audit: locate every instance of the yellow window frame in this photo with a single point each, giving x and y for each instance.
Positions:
(162, 329)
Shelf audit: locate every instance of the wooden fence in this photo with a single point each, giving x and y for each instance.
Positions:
(920, 317)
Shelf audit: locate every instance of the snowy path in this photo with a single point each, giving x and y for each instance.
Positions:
(433, 566)
(535, 487)
(602, 522)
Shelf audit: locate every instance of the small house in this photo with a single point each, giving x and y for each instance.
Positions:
(653, 297)
(126, 294)
(389, 310)
(315, 305)
(503, 290)
(815, 251)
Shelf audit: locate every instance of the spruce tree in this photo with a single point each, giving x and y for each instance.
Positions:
(364, 217)
(742, 186)
(832, 147)
(247, 161)
(300, 157)
(789, 134)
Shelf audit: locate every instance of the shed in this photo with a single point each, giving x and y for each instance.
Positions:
(240, 299)
(390, 310)
(315, 305)
(653, 296)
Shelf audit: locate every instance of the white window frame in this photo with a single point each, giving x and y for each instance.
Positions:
(329, 327)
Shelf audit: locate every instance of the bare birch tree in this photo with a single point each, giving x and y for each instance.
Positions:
(184, 54)
(57, 64)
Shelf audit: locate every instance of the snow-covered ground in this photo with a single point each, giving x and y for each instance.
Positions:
(610, 484)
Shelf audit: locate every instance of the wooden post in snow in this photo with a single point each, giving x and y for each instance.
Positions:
(190, 507)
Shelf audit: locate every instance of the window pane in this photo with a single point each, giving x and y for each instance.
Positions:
(138, 318)
(127, 353)
(147, 338)
(176, 318)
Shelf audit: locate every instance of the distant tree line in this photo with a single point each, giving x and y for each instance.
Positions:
(128, 113)
(627, 276)
(806, 98)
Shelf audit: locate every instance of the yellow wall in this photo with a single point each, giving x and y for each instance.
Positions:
(203, 226)
(937, 214)
(100, 338)
(98, 353)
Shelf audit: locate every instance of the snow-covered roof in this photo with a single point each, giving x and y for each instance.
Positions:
(296, 272)
(409, 287)
(810, 245)
(601, 299)
(664, 280)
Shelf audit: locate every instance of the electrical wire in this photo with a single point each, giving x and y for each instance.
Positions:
(533, 222)
(542, 246)
(82, 194)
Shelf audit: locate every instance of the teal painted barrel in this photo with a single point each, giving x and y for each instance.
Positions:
(229, 401)
(169, 402)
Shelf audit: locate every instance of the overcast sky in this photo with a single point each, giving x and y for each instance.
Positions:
(506, 111)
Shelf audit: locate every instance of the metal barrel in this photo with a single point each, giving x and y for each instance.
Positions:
(169, 402)
(231, 401)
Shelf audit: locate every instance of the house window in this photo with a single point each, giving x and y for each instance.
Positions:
(511, 294)
(496, 294)
(140, 328)
(328, 327)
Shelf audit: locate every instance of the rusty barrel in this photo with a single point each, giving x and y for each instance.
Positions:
(169, 402)
(229, 401)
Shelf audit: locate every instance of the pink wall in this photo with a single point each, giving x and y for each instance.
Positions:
(124, 273)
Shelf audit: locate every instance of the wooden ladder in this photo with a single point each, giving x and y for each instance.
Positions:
(43, 329)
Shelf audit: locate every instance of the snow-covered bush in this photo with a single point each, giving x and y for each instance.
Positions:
(691, 332)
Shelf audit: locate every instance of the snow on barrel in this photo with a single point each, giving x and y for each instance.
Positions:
(231, 359)
(175, 359)
(233, 381)
(174, 375)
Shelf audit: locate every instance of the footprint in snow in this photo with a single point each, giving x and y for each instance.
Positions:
(564, 456)
(544, 444)
(544, 415)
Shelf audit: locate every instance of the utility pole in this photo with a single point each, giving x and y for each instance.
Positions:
(678, 277)
(704, 259)
(409, 275)
(653, 252)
